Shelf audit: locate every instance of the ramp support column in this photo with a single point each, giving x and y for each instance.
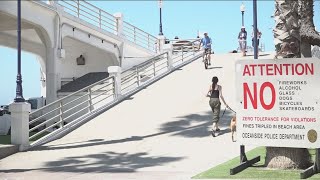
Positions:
(20, 124)
(51, 75)
(116, 72)
(161, 43)
(119, 24)
(168, 48)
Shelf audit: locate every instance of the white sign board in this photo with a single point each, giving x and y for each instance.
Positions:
(278, 102)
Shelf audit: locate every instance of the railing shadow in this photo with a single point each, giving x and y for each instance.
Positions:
(189, 126)
(111, 162)
(184, 126)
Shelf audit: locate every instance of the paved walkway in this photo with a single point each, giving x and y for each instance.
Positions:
(160, 133)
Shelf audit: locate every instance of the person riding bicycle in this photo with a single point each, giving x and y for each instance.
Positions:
(206, 43)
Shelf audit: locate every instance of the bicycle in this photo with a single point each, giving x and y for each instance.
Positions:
(205, 61)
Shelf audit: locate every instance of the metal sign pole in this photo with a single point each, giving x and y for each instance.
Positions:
(255, 38)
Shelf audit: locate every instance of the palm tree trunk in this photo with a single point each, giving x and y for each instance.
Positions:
(287, 158)
(309, 35)
(287, 35)
(287, 29)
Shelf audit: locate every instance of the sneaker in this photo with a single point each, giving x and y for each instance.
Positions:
(212, 133)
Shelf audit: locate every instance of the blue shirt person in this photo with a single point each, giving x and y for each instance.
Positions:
(206, 43)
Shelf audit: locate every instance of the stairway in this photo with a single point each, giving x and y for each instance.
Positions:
(83, 81)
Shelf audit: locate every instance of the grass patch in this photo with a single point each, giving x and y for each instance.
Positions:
(6, 139)
(222, 171)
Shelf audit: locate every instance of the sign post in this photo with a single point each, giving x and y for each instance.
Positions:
(278, 102)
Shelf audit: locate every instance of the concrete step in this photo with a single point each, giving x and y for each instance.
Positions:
(7, 150)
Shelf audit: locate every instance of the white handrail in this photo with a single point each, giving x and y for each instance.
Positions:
(82, 102)
(106, 21)
(64, 106)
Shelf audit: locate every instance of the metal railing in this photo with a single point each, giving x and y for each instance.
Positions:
(91, 99)
(56, 114)
(140, 74)
(106, 21)
(184, 51)
(160, 64)
(140, 37)
(90, 14)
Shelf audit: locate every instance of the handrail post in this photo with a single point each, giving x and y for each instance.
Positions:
(138, 76)
(134, 35)
(168, 48)
(90, 100)
(78, 8)
(148, 41)
(115, 71)
(182, 53)
(119, 24)
(114, 88)
(193, 50)
(100, 18)
(60, 115)
(154, 67)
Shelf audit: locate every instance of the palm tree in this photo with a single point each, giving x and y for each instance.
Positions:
(309, 35)
(288, 41)
(287, 28)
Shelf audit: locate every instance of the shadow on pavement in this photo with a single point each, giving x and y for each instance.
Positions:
(190, 126)
(259, 55)
(185, 126)
(215, 67)
(112, 162)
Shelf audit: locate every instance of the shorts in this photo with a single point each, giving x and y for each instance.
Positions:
(243, 45)
(207, 50)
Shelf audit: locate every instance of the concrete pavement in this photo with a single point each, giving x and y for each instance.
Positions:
(162, 132)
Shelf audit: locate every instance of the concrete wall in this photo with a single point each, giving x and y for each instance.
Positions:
(127, 49)
(96, 60)
(133, 55)
(4, 124)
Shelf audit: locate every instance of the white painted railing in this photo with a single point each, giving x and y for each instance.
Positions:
(140, 74)
(140, 37)
(90, 14)
(108, 22)
(102, 94)
(143, 73)
(55, 115)
(184, 51)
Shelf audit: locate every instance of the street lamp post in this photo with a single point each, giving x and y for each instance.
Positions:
(19, 96)
(242, 9)
(160, 27)
(255, 30)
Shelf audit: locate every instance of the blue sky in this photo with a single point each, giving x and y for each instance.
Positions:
(221, 19)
